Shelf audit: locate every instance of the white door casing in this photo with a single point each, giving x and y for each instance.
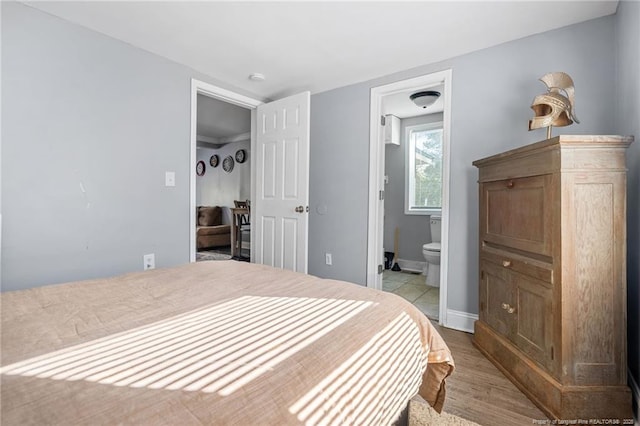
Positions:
(280, 206)
(376, 178)
(378, 235)
(207, 89)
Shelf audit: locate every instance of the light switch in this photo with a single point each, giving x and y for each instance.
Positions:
(170, 179)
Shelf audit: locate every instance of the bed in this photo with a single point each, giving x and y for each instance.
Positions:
(218, 342)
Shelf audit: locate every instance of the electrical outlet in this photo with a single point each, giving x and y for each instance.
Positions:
(149, 261)
(327, 259)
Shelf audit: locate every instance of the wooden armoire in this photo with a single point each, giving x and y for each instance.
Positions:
(553, 273)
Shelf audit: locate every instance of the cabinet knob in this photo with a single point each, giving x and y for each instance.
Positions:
(510, 184)
(506, 263)
(507, 307)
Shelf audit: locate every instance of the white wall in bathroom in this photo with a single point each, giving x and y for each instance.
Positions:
(414, 229)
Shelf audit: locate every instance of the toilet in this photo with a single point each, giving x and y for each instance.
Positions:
(431, 252)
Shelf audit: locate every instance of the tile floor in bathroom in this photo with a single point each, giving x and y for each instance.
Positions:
(412, 287)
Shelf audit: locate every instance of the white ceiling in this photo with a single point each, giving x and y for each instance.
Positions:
(318, 46)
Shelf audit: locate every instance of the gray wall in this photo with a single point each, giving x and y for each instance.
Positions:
(339, 182)
(414, 230)
(90, 125)
(492, 91)
(627, 120)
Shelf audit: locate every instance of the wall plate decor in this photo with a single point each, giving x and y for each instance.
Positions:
(200, 168)
(214, 160)
(241, 155)
(227, 164)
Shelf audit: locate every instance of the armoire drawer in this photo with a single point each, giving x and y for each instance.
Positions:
(511, 261)
(517, 213)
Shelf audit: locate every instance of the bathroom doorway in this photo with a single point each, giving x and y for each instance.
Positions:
(409, 173)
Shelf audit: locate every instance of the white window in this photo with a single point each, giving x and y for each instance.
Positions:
(424, 169)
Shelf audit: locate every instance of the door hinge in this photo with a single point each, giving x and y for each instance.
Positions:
(383, 120)
(551, 353)
(380, 269)
(381, 195)
(482, 275)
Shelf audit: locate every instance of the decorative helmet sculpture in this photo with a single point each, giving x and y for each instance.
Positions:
(554, 108)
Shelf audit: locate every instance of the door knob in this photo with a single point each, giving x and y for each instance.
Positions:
(299, 209)
(506, 263)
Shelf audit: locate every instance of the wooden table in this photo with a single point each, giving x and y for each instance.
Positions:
(236, 238)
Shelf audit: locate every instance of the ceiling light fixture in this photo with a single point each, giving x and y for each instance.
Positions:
(425, 99)
(256, 76)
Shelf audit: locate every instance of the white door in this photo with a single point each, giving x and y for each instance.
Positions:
(282, 183)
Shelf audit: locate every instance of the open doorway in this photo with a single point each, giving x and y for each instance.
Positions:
(280, 163)
(222, 140)
(409, 186)
(223, 179)
(413, 196)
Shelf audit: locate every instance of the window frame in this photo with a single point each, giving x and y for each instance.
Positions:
(409, 183)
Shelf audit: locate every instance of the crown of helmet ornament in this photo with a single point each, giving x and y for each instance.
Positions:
(556, 106)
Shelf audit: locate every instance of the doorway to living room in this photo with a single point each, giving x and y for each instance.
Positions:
(222, 177)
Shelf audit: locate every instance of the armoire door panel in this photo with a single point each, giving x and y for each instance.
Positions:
(497, 296)
(534, 331)
(518, 213)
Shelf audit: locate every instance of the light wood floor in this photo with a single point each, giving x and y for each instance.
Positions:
(478, 391)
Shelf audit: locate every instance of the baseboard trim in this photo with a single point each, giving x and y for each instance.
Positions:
(411, 265)
(462, 321)
(635, 391)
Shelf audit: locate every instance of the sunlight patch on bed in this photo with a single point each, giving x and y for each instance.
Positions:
(214, 349)
(373, 385)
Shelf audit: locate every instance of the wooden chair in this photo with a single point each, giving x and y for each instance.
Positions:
(244, 224)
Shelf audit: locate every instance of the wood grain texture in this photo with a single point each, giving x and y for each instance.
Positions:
(518, 213)
(554, 212)
(551, 397)
(594, 349)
